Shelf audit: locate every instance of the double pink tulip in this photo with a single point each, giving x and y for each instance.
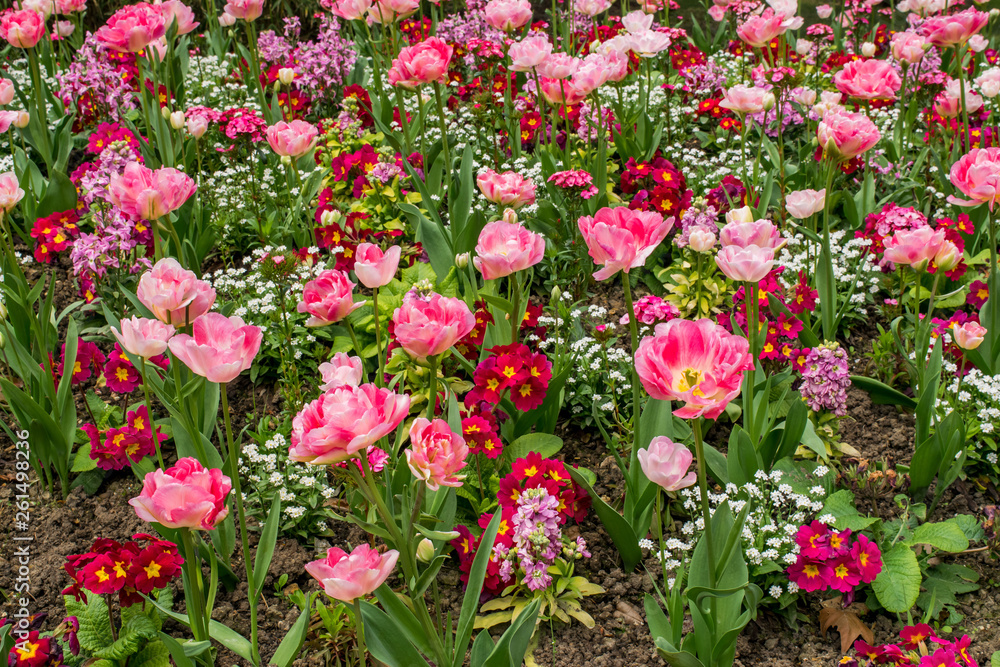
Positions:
(6, 91)
(436, 454)
(248, 10)
(343, 421)
(529, 53)
(427, 326)
(948, 103)
(422, 63)
(342, 369)
(175, 11)
(620, 239)
(175, 295)
(507, 15)
(748, 247)
(293, 139)
(868, 80)
(221, 348)
(915, 247)
(844, 136)
(509, 189)
(147, 194)
(328, 298)
(747, 99)
(802, 204)
(750, 264)
(969, 335)
(758, 31)
(697, 363)
(10, 191)
(348, 576)
(908, 47)
(557, 65)
(22, 28)
(955, 29)
(188, 495)
(373, 267)
(744, 233)
(349, 10)
(667, 464)
(132, 28)
(977, 176)
(561, 92)
(505, 247)
(143, 337)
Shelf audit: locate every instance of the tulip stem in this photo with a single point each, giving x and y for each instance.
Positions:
(706, 512)
(636, 395)
(36, 80)
(360, 626)
(444, 137)
(354, 341)
(380, 379)
(749, 377)
(234, 470)
(961, 89)
(828, 293)
(432, 388)
(515, 312)
(197, 605)
(149, 413)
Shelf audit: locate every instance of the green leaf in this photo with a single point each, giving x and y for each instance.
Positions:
(898, 584)
(970, 526)
(82, 461)
(618, 528)
(945, 536)
(403, 619)
(290, 646)
(155, 654)
(882, 394)
(841, 506)
(382, 638)
(95, 628)
(265, 548)
(995, 659)
(545, 444)
(510, 648)
(133, 634)
(942, 583)
(470, 603)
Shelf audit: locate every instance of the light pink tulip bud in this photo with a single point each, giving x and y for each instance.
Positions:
(293, 139)
(824, 11)
(743, 214)
(22, 120)
(143, 337)
(804, 96)
(65, 28)
(197, 126)
(248, 10)
(175, 295)
(701, 240)
(177, 120)
(803, 47)
(868, 50)
(375, 268)
(328, 298)
(436, 454)
(667, 464)
(947, 257)
(342, 369)
(220, 349)
(286, 75)
(226, 19)
(349, 10)
(989, 82)
(968, 335)
(802, 204)
(188, 495)
(346, 577)
(509, 216)
(978, 43)
(6, 91)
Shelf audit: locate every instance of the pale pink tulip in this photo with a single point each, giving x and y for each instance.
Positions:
(143, 337)
(742, 214)
(829, 103)
(197, 126)
(968, 335)
(667, 464)
(328, 298)
(742, 234)
(697, 363)
(978, 43)
(591, 8)
(148, 194)
(505, 248)
(561, 91)
(373, 267)
(846, 135)
(507, 15)
(22, 28)
(908, 47)
(175, 11)
(422, 63)
(427, 326)
(948, 103)
(343, 421)
(226, 20)
(745, 264)
(557, 65)
(977, 176)
(989, 82)
(132, 28)
(955, 29)
(6, 91)
(593, 73)
(636, 22)
(436, 454)
(350, 10)
(248, 10)
(507, 189)
(346, 577)
(701, 240)
(70, 6)
(65, 28)
(801, 204)
(824, 11)
(175, 295)
(7, 119)
(914, 247)
(221, 348)
(187, 495)
(648, 44)
(620, 239)
(868, 80)
(758, 31)
(530, 52)
(747, 99)
(947, 257)
(293, 139)
(10, 190)
(342, 369)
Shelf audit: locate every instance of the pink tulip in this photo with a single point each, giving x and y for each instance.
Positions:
(616, 56)
(248, 10)
(758, 31)
(829, 103)
(637, 21)
(742, 214)
(343, 421)
(507, 189)
(65, 28)
(593, 73)
(978, 43)
(914, 247)
(955, 29)
(620, 239)
(527, 54)
(844, 136)
(425, 62)
(226, 20)
(148, 194)
(697, 363)
(427, 326)
(649, 43)
(386, 11)
(328, 298)
(760, 233)
(10, 191)
(824, 11)
(6, 91)
(221, 348)
(591, 8)
(968, 335)
(977, 176)
(132, 28)
(7, 120)
(559, 91)
(508, 15)
(22, 28)
(868, 80)
(143, 337)
(346, 577)
(177, 11)
(747, 99)
(908, 47)
(948, 103)
(558, 66)
(745, 264)
(666, 463)
(947, 257)
(802, 204)
(701, 240)
(342, 369)
(350, 10)
(505, 248)
(197, 126)
(989, 82)
(436, 453)
(174, 294)
(373, 267)
(70, 6)
(187, 495)
(293, 139)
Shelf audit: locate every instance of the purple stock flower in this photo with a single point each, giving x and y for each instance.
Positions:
(825, 379)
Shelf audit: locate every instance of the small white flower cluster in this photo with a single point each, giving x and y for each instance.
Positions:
(978, 400)
(852, 263)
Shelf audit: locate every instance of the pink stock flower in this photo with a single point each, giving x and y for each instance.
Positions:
(846, 135)
(346, 577)
(801, 204)
(349, 10)
(328, 298)
(529, 52)
(747, 99)
(221, 348)
(10, 191)
(132, 28)
(293, 139)
(507, 15)
(698, 363)
(343, 421)
(188, 495)
(143, 337)
(505, 248)
(908, 47)
(747, 264)
(427, 326)
(425, 62)
(620, 239)
(955, 29)
(977, 176)
(147, 194)
(868, 80)
(175, 295)
(557, 65)
(914, 247)
(969, 335)
(177, 11)
(666, 463)
(248, 10)
(758, 31)
(373, 267)
(507, 189)
(436, 454)
(342, 369)
(22, 28)
(744, 234)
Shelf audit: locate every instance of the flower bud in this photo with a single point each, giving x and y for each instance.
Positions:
(3, 341)
(868, 50)
(948, 257)
(425, 551)
(286, 160)
(177, 120)
(701, 240)
(65, 28)
(286, 75)
(196, 126)
(978, 43)
(462, 260)
(769, 101)
(165, 112)
(3, 312)
(22, 120)
(226, 19)
(329, 217)
(510, 216)
(803, 46)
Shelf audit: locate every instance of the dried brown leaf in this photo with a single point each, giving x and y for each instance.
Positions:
(848, 625)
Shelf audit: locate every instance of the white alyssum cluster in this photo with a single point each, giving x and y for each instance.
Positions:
(853, 266)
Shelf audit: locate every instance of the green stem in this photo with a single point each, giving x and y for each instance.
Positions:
(444, 132)
(748, 377)
(404, 123)
(699, 448)
(359, 624)
(149, 413)
(636, 390)
(432, 387)
(828, 295)
(961, 87)
(196, 604)
(36, 82)
(515, 315)
(378, 342)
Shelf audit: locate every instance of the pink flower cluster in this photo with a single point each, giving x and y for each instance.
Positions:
(652, 310)
(828, 560)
